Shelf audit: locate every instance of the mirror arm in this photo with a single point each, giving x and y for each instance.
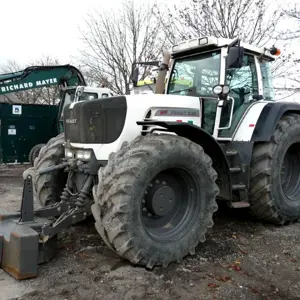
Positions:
(236, 41)
(224, 98)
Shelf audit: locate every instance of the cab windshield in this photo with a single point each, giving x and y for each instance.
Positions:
(195, 75)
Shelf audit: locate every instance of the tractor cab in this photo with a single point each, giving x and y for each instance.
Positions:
(227, 76)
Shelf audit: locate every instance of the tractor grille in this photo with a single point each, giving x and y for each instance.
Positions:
(95, 121)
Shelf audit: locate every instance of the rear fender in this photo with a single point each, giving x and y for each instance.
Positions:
(269, 117)
(209, 145)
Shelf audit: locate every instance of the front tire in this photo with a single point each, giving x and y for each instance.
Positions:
(34, 153)
(49, 186)
(155, 199)
(275, 174)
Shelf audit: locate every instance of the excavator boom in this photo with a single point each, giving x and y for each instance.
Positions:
(41, 76)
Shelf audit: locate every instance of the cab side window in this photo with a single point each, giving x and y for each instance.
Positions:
(243, 82)
(267, 80)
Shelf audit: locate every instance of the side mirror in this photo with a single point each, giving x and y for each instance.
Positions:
(235, 57)
(135, 76)
(79, 91)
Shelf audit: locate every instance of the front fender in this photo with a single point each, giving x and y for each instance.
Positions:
(209, 145)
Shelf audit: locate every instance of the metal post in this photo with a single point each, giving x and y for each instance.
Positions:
(27, 205)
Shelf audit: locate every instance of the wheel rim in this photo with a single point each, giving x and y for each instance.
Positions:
(290, 175)
(170, 205)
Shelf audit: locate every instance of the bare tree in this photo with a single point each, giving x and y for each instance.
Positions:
(287, 69)
(113, 44)
(293, 14)
(44, 95)
(254, 21)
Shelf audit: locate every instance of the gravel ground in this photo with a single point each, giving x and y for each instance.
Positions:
(241, 259)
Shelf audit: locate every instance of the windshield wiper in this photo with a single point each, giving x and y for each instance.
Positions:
(188, 89)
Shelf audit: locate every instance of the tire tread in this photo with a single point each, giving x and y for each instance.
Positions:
(49, 155)
(112, 195)
(261, 198)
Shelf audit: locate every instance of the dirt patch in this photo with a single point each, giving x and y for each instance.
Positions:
(11, 186)
(241, 259)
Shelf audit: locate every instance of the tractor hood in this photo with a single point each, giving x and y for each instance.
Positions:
(105, 121)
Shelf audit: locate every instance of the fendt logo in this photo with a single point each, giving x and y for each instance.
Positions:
(71, 121)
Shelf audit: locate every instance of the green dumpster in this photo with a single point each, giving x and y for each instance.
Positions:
(24, 126)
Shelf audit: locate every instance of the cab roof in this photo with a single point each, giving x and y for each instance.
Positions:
(198, 45)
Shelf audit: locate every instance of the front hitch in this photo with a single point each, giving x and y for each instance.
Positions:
(20, 248)
(53, 168)
(27, 237)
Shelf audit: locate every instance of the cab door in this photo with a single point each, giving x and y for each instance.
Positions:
(244, 89)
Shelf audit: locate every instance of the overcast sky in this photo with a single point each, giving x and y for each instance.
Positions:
(33, 28)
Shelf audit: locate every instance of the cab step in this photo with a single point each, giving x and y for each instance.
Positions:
(231, 152)
(240, 204)
(235, 169)
(236, 187)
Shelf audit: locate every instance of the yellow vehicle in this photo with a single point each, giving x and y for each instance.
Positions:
(147, 86)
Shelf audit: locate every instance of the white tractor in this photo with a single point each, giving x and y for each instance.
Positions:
(152, 167)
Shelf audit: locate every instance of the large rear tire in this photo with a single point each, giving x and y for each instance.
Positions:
(155, 199)
(275, 174)
(49, 186)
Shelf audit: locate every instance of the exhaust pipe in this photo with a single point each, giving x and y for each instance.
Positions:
(163, 69)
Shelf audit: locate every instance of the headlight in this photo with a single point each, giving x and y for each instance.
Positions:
(83, 154)
(68, 153)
